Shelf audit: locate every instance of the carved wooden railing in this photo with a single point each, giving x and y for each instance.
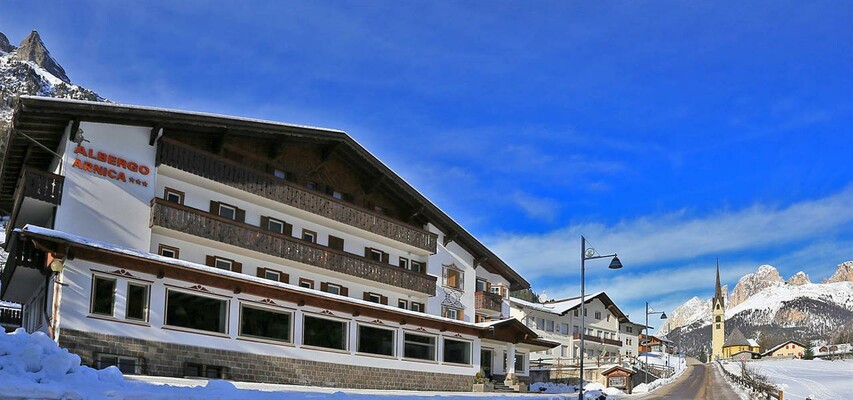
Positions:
(488, 301)
(233, 174)
(10, 317)
(597, 339)
(209, 226)
(41, 185)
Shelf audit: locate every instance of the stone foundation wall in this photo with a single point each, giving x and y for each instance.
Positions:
(169, 359)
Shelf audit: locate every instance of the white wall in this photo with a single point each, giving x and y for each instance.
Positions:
(104, 208)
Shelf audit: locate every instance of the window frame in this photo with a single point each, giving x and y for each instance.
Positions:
(421, 266)
(414, 304)
(306, 281)
(460, 277)
(404, 303)
(403, 262)
(227, 206)
(375, 326)
(346, 332)
(271, 220)
(470, 344)
(312, 234)
(435, 339)
(371, 295)
(227, 318)
(291, 329)
(181, 195)
(137, 362)
(162, 247)
(147, 307)
(92, 293)
(230, 262)
(272, 271)
(330, 286)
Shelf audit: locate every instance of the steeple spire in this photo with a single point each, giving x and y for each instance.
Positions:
(718, 291)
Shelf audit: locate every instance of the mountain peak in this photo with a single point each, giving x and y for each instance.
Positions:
(799, 279)
(32, 48)
(750, 284)
(5, 46)
(843, 273)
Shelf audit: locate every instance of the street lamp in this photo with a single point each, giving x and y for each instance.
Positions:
(589, 254)
(662, 316)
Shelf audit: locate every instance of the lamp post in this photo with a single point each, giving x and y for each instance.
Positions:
(662, 316)
(589, 254)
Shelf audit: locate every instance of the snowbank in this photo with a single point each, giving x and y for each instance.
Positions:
(592, 391)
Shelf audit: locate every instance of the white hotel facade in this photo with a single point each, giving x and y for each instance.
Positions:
(186, 244)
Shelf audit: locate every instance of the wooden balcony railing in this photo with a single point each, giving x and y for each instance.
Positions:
(233, 174)
(488, 301)
(41, 185)
(209, 226)
(597, 339)
(10, 317)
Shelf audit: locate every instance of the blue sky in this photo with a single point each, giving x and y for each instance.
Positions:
(669, 132)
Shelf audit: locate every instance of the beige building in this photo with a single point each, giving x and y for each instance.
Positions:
(789, 349)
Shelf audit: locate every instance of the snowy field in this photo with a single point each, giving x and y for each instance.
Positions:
(34, 367)
(813, 379)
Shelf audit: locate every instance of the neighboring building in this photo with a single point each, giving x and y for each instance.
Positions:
(560, 321)
(189, 244)
(736, 342)
(630, 335)
(656, 344)
(718, 322)
(789, 349)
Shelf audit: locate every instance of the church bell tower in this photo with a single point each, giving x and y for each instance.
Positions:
(718, 323)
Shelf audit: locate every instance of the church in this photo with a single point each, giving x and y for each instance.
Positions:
(718, 326)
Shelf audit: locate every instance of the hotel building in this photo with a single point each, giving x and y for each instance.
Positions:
(187, 244)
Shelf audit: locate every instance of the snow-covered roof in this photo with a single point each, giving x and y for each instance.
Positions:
(736, 338)
(779, 346)
(752, 342)
(557, 307)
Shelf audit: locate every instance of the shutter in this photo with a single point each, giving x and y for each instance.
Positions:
(344, 291)
(261, 272)
(210, 261)
(288, 229)
(236, 267)
(265, 222)
(460, 315)
(367, 252)
(241, 215)
(366, 296)
(383, 300)
(385, 257)
(214, 207)
(324, 286)
(283, 278)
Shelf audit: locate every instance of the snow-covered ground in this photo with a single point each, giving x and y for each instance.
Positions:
(800, 379)
(33, 366)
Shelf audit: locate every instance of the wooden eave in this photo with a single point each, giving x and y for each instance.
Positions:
(45, 119)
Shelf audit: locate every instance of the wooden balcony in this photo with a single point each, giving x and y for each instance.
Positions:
(487, 301)
(597, 339)
(209, 226)
(40, 185)
(233, 174)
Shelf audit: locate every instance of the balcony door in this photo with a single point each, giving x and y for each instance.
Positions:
(486, 362)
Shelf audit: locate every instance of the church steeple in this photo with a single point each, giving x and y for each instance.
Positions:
(718, 293)
(718, 315)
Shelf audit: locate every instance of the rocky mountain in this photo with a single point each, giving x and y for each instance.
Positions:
(772, 310)
(29, 69)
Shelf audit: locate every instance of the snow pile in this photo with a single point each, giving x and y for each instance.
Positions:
(37, 367)
(679, 365)
(592, 391)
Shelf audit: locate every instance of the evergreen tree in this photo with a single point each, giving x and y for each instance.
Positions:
(808, 354)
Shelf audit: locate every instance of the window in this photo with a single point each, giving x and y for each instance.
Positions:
(453, 277)
(103, 295)
(137, 301)
(584, 312)
(417, 266)
(322, 332)
(272, 275)
(127, 365)
(306, 283)
(540, 324)
(564, 329)
(419, 307)
(374, 340)
(279, 174)
(457, 351)
(227, 211)
(333, 289)
(403, 304)
(519, 362)
(575, 329)
(373, 297)
(598, 315)
(497, 290)
(376, 255)
(191, 311)
(718, 319)
(175, 196)
(549, 326)
(222, 263)
(404, 263)
(275, 225)
(204, 371)
(419, 347)
(482, 285)
(336, 243)
(576, 312)
(312, 185)
(309, 236)
(337, 195)
(629, 329)
(168, 251)
(265, 323)
(451, 313)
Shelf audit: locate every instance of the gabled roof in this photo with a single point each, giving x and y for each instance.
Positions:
(46, 119)
(736, 338)
(779, 346)
(563, 306)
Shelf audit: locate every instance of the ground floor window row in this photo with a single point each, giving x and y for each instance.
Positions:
(210, 314)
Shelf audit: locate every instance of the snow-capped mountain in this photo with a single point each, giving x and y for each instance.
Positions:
(771, 309)
(30, 69)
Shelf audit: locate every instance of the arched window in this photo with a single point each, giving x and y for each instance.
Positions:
(718, 318)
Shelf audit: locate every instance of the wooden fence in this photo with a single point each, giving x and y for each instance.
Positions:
(767, 391)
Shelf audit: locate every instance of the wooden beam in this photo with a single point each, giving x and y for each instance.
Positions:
(219, 143)
(156, 130)
(373, 185)
(75, 126)
(276, 149)
(449, 238)
(328, 150)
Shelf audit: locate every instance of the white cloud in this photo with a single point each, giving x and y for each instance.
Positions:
(677, 236)
(539, 208)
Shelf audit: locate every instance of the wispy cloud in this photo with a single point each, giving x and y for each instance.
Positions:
(539, 208)
(679, 235)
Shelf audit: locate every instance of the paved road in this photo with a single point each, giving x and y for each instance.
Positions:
(700, 381)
